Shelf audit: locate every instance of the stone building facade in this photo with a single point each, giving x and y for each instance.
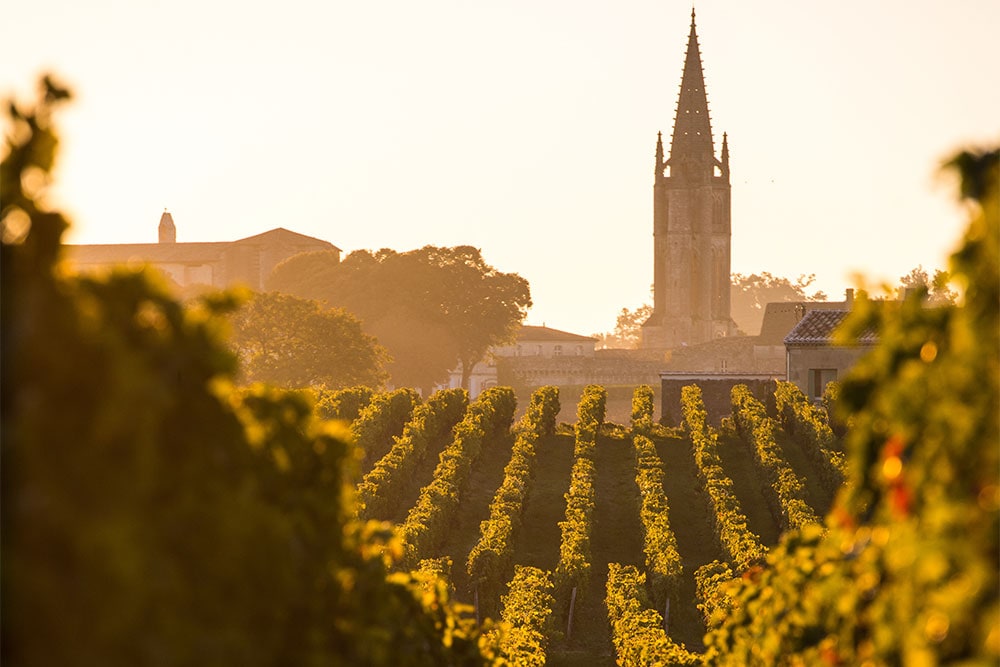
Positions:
(217, 264)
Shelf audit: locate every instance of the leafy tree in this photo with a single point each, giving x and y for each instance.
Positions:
(938, 288)
(152, 514)
(750, 294)
(294, 342)
(430, 307)
(627, 333)
(306, 274)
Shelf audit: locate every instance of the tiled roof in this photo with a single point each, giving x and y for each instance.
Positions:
(817, 328)
(287, 236)
(197, 252)
(780, 317)
(122, 253)
(545, 334)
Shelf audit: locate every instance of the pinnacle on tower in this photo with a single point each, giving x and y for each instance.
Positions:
(658, 170)
(724, 162)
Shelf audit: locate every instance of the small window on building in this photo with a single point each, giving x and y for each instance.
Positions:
(724, 365)
(818, 379)
(539, 350)
(557, 350)
(579, 350)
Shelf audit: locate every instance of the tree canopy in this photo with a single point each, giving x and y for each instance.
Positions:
(938, 288)
(293, 342)
(430, 307)
(750, 294)
(627, 333)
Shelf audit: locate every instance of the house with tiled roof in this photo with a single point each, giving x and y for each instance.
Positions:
(815, 357)
(248, 261)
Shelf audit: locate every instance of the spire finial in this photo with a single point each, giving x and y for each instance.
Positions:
(692, 14)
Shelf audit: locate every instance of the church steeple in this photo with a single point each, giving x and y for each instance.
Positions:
(692, 232)
(692, 153)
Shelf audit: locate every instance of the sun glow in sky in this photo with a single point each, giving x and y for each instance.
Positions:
(526, 129)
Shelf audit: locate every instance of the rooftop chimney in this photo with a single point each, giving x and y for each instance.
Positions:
(168, 233)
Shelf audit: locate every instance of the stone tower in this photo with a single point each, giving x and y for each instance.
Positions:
(691, 223)
(167, 231)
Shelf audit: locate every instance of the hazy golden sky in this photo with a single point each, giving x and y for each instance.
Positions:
(524, 128)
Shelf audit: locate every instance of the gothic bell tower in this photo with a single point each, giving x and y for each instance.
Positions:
(691, 223)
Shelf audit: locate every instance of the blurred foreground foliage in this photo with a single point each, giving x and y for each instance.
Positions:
(906, 570)
(152, 514)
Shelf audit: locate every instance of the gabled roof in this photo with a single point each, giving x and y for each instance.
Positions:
(817, 327)
(166, 253)
(280, 234)
(531, 334)
(186, 252)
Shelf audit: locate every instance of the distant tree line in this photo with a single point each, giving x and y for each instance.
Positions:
(750, 294)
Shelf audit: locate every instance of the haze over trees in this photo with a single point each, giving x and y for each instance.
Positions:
(292, 342)
(938, 288)
(750, 294)
(432, 308)
(627, 333)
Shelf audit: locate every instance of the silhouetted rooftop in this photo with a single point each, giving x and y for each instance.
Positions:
(544, 334)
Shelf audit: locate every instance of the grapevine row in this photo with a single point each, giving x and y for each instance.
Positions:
(636, 630)
(742, 546)
(757, 431)
(527, 611)
(383, 418)
(642, 410)
(810, 426)
(345, 404)
(491, 557)
(425, 525)
(381, 489)
(710, 582)
(573, 569)
(663, 560)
